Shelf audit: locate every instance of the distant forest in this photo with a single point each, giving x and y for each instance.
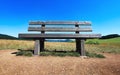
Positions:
(110, 36)
(4, 36)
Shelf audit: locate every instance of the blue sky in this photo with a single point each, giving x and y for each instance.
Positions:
(15, 14)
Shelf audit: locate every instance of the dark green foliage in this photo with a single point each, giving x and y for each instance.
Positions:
(110, 36)
(3, 36)
(58, 53)
(20, 53)
(24, 53)
(28, 53)
(92, 42)
(62, 54)
(94, 55)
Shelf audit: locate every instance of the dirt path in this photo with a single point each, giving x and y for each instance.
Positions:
(37, 65)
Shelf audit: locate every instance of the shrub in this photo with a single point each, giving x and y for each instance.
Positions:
(28, 53)
(45, 53)
(61, 54)
(94, 55)
(93, 42)
(24, 53)
(20, 53)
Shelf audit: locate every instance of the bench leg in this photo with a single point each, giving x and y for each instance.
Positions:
(37, 47)
(83, 47)
(80, 46)
(42, 45)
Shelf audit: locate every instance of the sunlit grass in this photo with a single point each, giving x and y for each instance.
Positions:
(114, 42)
(60, 46)
(16, 44)
(103, 47)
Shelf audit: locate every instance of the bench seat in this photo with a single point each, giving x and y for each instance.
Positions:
(59, 36)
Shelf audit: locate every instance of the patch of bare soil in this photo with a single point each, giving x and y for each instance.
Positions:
(39, 65)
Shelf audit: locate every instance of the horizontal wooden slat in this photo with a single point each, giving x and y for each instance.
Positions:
(60, 23)
(59, 29)
(59, 36)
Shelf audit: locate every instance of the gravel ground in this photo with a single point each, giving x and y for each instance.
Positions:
(49, 65)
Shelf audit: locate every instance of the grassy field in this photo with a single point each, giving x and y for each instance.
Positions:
(108, 45)
(16, 44)
(109, 42)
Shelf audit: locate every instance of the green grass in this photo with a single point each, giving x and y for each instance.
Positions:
(92, 42)
(68, 53)
(94, 55)
(61, 54)
(105, 45)
(29, 53)
(102, 49)
(91, 46)
(101, 41)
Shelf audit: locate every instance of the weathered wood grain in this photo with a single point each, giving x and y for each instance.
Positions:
(59, 36)
(59, 22)
(37, 47)
(82, 51)
(59, 29)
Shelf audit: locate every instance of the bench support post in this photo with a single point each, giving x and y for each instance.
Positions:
(42, 45)
(80, 46)
(37, 47)
(83, 47)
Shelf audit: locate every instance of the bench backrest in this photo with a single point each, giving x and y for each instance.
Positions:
(60, 26)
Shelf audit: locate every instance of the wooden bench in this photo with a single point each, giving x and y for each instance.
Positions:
(71, 30)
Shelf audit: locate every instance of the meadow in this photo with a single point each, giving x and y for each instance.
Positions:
(92, 45)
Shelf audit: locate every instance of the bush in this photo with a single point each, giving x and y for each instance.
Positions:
(94, 55)
(20, 53)
(28, 53)
(24, 53)
(61, 54)
(93, 42)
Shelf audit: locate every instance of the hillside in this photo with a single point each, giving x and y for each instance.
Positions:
(110, 36)
(112, 40)
(4, 36)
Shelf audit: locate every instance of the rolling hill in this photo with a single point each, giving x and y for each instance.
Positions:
(4, 36)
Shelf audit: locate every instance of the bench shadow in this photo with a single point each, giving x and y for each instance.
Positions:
(61, 51)
(22, 50)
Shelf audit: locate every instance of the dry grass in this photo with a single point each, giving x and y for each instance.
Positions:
(29, 45)
(59, 46)
(38, 65)
(16, 44)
